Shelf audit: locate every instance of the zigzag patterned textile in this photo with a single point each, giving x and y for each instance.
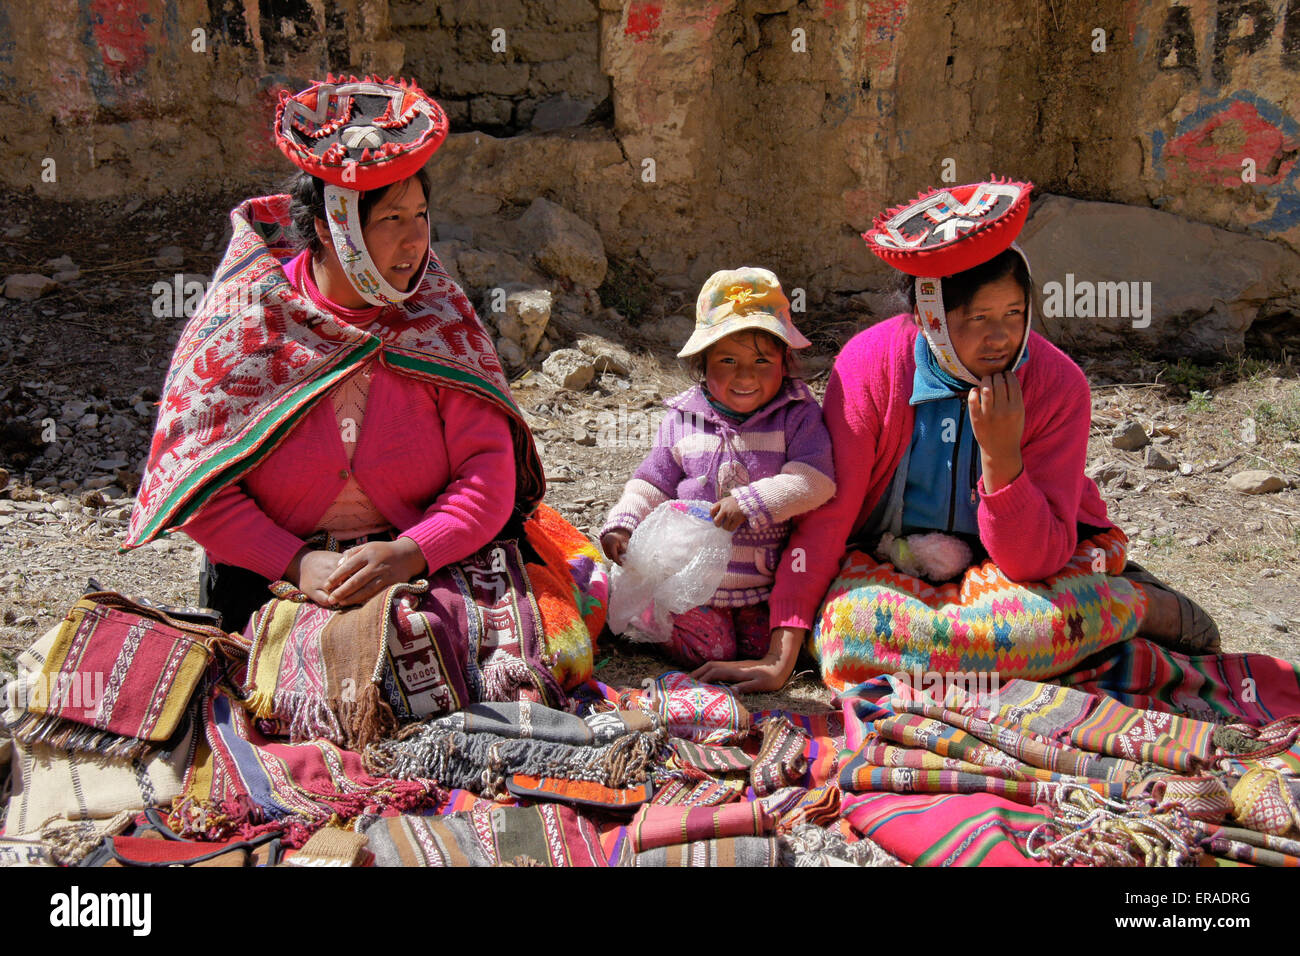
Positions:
(877, 620)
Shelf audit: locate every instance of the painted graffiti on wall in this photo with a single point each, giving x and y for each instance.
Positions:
(1214, 146)
(1235, 30)
(1238, 138)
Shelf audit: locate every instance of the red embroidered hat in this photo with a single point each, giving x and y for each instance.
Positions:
(950, 230)
(360, 134)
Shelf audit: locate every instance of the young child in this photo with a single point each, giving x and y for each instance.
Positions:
(749, 438)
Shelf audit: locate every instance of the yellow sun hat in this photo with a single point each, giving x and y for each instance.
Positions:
(736, 299)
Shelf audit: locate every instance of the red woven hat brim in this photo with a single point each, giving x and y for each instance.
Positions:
(946, 231)
(395, 126)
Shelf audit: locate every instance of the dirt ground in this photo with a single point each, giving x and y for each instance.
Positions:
(94, 340)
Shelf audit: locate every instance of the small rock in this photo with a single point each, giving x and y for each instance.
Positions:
(61, 263)
(1248, 431)
(1107, 471)
(511, 354)
(1185, 468)
(1254, 526)
(4, 479)
(169, 257)
(1129, 436)
(61, 506)
(69, 484)
(18, 231)
(563, 244)
(1270, 573)
(1255, 482)
(132, 207)
(143, 409)
(526, 316)
(606, 356)
(110, 464)
(570, 368)
(1276, 621)
(88, 420)
(1157, 460)
(26, 286)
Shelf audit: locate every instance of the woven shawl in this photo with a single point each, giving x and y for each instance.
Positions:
(259, 354)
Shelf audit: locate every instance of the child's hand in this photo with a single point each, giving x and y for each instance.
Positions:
(726, 514)
(997, 418)
(749, 677)
(614, 544)
(770, 673)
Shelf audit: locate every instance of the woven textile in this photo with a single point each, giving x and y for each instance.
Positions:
(314, 669)
(571, 587)
(1179, 743)
(731, 851)
(486, 762)
(259, 354)
(1254, 688)
(116, 679)
(661, 826)
(470, 632)
(545, 835)
(809, 845)
(1260, 849)
(241, 783)
(1262, 801)
(951, 829)
(781, 758)
(74, 799)
(705, 713)
(876, 620)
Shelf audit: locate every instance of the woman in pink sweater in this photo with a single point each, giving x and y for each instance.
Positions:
(335, 417)
(970, 439)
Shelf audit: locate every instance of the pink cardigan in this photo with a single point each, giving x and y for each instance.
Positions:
(1028, 527)
(437, 462)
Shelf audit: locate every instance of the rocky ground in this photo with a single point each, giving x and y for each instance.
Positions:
(1201, 465)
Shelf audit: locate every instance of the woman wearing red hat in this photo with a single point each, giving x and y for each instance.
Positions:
(336, 419)
(964, 536)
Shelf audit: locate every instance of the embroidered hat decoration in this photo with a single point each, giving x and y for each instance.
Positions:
(947, 231)
(736, 299)
(359, 135)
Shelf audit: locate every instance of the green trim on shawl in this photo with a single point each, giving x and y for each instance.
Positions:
(216, 473)
(399, 360)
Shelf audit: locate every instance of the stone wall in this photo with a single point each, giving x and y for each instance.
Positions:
(733, 131)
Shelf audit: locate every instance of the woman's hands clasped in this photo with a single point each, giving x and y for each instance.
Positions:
(359, 573)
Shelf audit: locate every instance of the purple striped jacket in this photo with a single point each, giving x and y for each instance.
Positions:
(776, 464)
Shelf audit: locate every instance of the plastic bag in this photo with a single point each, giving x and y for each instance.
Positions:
(675, 560)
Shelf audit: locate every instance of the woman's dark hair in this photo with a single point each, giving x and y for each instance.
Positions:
(959, 289)
(697, 364)
(307, 204)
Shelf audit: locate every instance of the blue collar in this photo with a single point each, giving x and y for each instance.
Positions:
(930, 383)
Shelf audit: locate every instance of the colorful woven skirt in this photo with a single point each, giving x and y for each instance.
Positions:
(876, 620)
